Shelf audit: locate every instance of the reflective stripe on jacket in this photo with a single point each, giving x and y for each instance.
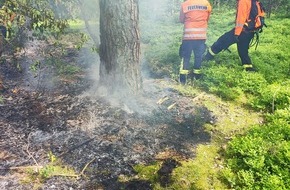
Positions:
(195, 15)
(243, 14)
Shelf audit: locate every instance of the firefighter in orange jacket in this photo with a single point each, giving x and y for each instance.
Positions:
(239, 35)
(195, 15)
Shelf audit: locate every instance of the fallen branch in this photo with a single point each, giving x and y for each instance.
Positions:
(66, 175)
(83, 170)
(171, 106)
(161, 100)
(22, 167)
(28, 152)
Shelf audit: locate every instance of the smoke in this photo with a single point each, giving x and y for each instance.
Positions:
(150, 11)
(118, 99)
(90, 14)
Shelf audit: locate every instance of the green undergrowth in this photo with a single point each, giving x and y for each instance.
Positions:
(148, 173)
(224, 76)
(198, 173)
(250, 145)
(59, 56)
(204, 171)
(63, 69)
(248, 150)
(38, 175)
(260, 160)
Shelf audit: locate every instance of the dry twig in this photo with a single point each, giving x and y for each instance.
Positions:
(83, 170)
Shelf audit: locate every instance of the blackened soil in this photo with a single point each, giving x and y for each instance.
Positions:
(98, 135)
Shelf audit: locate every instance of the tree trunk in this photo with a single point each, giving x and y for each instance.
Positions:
(120, 45)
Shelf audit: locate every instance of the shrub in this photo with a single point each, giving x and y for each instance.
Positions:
(161, 41)
(260, 159)
(273, 97)
(252, 82)
(222, 81)
(163, 60)
(279, 115)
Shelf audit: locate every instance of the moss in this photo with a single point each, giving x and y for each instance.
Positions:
(201, 172)
(148, 172)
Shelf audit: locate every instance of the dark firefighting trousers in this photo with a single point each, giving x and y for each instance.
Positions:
(243, 43)
(188, 46)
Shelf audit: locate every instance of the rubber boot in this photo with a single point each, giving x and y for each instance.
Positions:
(208, 56)
(249, 68)
(196, 76)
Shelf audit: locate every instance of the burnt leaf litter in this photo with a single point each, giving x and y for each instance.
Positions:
(99, 136)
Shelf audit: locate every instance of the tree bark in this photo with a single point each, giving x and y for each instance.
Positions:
(120, 45)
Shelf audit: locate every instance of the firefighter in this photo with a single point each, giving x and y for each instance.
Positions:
(239, 34)
(194, 14)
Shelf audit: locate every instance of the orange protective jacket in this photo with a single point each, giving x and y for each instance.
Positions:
(243, 14)
(195, 15)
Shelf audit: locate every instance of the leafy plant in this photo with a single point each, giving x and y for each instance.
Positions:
(148, 172)
(222, 81)
(35, 66)
(273, 97)
(279, 115)
(53, 168)
(252, 83)
(161, 52)
(260, 159)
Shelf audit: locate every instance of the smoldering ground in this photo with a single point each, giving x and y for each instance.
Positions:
(88, 130)
(98, 134)
(84, 128)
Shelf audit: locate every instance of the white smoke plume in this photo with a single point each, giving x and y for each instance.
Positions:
(149, 10)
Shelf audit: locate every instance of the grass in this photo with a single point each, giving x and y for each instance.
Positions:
(203, 171)
(76, 25)
(53, 168)
(230, 93)
(239, 100)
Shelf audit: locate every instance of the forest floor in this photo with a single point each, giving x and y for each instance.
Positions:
(48, 123)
